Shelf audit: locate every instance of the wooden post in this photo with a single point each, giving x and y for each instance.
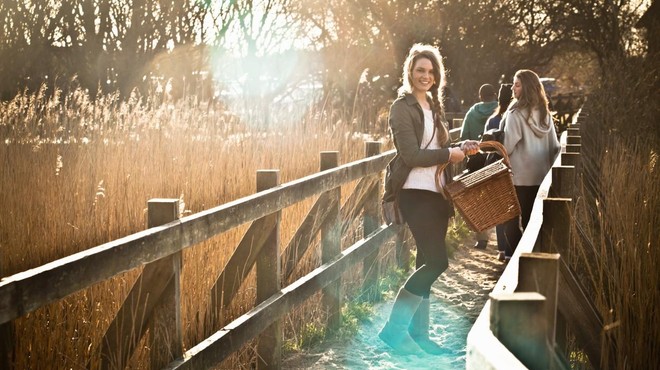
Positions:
(539, 272)
(269, 280)
(573, 139)
(563, 182)
(331, 245)
(556, 227)
(456, 123)
(570, 159)
(573, 148)
(6, 340)
(153, 302)
(166, 326)
(518, 321)
(573, 130)
(370, 222)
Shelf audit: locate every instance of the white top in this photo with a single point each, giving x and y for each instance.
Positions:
(423, 178)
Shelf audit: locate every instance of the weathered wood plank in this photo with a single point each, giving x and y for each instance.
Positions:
(26, 291)
(581, 315)
(155, 290)
(240, 263)
(517, 320)
(331, 247)
(539, 272)
(306, 232)
(357, 200)
(563, 181)
(223, 343)
(269, 280)
(370, 222)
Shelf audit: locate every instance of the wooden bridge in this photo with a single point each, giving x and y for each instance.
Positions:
(536, 297)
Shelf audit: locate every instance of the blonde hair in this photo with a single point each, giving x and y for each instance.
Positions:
(424, 51)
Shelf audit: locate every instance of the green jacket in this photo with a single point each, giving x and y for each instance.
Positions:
(406, 121)
(475, 120)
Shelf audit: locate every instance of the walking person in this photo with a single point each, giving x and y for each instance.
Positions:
(473, 127)
(422, 143)
(531, 143)
(504, 96)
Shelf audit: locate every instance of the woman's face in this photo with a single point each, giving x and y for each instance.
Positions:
(516, 88)
(422, 76)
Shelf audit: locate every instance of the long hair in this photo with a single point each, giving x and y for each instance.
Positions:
(503, 100)
(532, 95)
(417, 52)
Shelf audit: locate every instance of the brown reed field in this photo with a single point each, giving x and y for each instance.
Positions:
(77, 172)
(617, 214)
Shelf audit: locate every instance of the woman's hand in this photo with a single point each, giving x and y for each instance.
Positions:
(470, 147)
(456, 155)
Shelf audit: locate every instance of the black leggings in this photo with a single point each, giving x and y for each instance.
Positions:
(512, 228)
(427, 215)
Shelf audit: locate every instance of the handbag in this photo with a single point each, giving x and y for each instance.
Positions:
(391, 212)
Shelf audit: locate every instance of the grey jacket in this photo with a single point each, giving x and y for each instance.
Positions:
(406, 121)
(532, 145)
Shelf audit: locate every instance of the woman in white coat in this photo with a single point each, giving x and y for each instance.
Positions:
(531, 143)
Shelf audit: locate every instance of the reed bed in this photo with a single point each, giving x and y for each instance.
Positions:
(78, 171)
(617, 215)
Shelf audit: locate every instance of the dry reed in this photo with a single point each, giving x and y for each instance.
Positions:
(77, 172)
(617, 212)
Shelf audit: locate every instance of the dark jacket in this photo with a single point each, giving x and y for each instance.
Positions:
(406, 122)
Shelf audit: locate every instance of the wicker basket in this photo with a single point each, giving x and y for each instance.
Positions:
(486, 197)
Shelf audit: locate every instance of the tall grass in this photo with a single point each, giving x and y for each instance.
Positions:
(77, 172)
(617, 215)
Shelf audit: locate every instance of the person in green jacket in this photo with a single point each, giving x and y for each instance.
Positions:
(476, 117)
(422, 143)
(473, 127)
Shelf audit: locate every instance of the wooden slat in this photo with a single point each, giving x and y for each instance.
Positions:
(306, 232)
(223, 343)
(26, 291)
(269, 281)
(240, 263)
(154, 290)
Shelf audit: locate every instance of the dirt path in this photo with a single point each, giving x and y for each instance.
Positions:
(456, 301)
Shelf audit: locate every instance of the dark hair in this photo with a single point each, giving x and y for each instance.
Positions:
(423, 51)
(487, 91)
(503, 99)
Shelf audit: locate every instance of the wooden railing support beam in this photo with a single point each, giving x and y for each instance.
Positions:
(370, 223)
(331, 245)
(269, 276)
(563, 182)
(518, 321)
(539, 272)
(152, 303)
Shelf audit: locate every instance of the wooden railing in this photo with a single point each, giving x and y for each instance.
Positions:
(537, 297)
(154, 301)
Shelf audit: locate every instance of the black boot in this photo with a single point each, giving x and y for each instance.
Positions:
(419, 329)
(481, 244)
(395, 332)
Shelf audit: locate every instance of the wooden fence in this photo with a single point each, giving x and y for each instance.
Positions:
(153, 304)
(538, 298)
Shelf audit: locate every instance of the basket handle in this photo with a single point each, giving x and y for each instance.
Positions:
(498, 147)
(484, 144)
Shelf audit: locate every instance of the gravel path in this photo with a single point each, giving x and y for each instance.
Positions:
(456, 301)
